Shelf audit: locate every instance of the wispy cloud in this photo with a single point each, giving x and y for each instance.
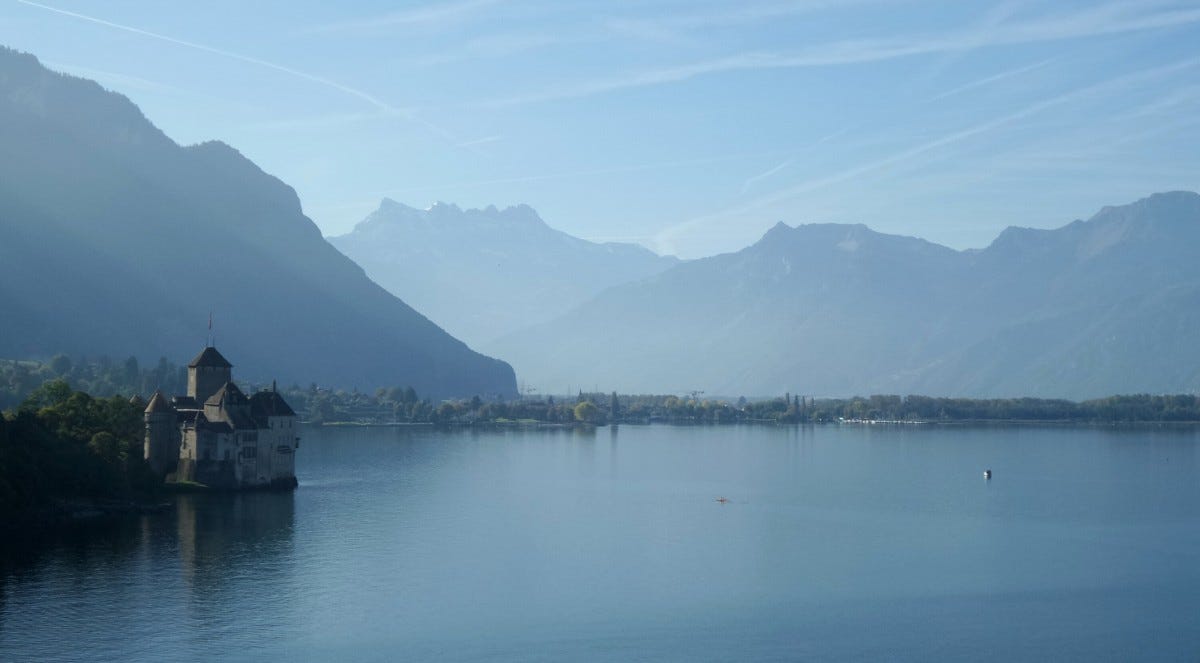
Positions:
(1107, 19)
(414, 16)
(318, 122)
(991, 18)
(751, 181)
(988, 80)
(321, 80)
(481, 141)
(668, 237)
(500, 45)
(382, 106)
(127, 83)
(1185, 95)
(675, 26)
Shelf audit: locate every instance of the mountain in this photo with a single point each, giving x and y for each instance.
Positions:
(1108, 305)
(485, 273)
(116, 240)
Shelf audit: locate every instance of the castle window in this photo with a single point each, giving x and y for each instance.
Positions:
(250, 452)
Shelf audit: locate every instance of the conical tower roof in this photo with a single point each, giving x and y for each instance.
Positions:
(158, 403)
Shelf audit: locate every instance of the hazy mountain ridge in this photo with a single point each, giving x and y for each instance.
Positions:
(482, 273)
(119, 241)
(1095, 307)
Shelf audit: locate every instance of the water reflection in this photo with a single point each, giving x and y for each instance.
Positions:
(218, 534)
(165, 581)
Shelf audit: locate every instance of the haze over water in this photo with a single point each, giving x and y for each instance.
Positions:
(837, 543)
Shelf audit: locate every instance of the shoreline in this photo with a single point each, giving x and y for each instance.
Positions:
(1083, 423)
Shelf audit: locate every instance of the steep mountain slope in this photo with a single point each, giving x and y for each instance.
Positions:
(484, 273)
(116, 240)
(1096, 307)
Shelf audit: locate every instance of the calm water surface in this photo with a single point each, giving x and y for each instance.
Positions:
(845, 543)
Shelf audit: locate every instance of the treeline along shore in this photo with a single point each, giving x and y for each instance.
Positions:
(599, 409)
(104, 377)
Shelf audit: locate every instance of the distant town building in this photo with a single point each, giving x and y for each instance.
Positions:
(218, 436)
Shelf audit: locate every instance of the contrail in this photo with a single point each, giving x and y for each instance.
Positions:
(664, 236)
(320, 80)
(1104, 20)
(969, 132)
(374, 101)
(762, 176)
(992, 79)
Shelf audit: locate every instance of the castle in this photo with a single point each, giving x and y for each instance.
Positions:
(218, 436)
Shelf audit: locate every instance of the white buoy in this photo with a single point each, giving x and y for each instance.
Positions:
(987, 474)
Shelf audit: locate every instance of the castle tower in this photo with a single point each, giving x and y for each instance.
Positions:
(161, 448)
(207, 373)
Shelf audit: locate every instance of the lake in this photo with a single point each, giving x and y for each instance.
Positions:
(836, 543)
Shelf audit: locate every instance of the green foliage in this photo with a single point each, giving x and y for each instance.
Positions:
(108, 448)
(587, 412)
(99, 377)
(64, 444)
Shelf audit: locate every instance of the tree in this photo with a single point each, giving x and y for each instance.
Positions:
(51, 394)
(105, 445)
(614, 407)
(586, 412)
(131, 372)
(162, 374)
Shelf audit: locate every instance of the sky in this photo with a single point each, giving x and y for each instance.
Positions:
(690, 127)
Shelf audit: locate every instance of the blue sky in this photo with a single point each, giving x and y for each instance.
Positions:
(690, 127)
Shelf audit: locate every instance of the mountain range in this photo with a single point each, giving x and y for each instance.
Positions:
(1103, 306)
(118, 241)
(485, 273)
